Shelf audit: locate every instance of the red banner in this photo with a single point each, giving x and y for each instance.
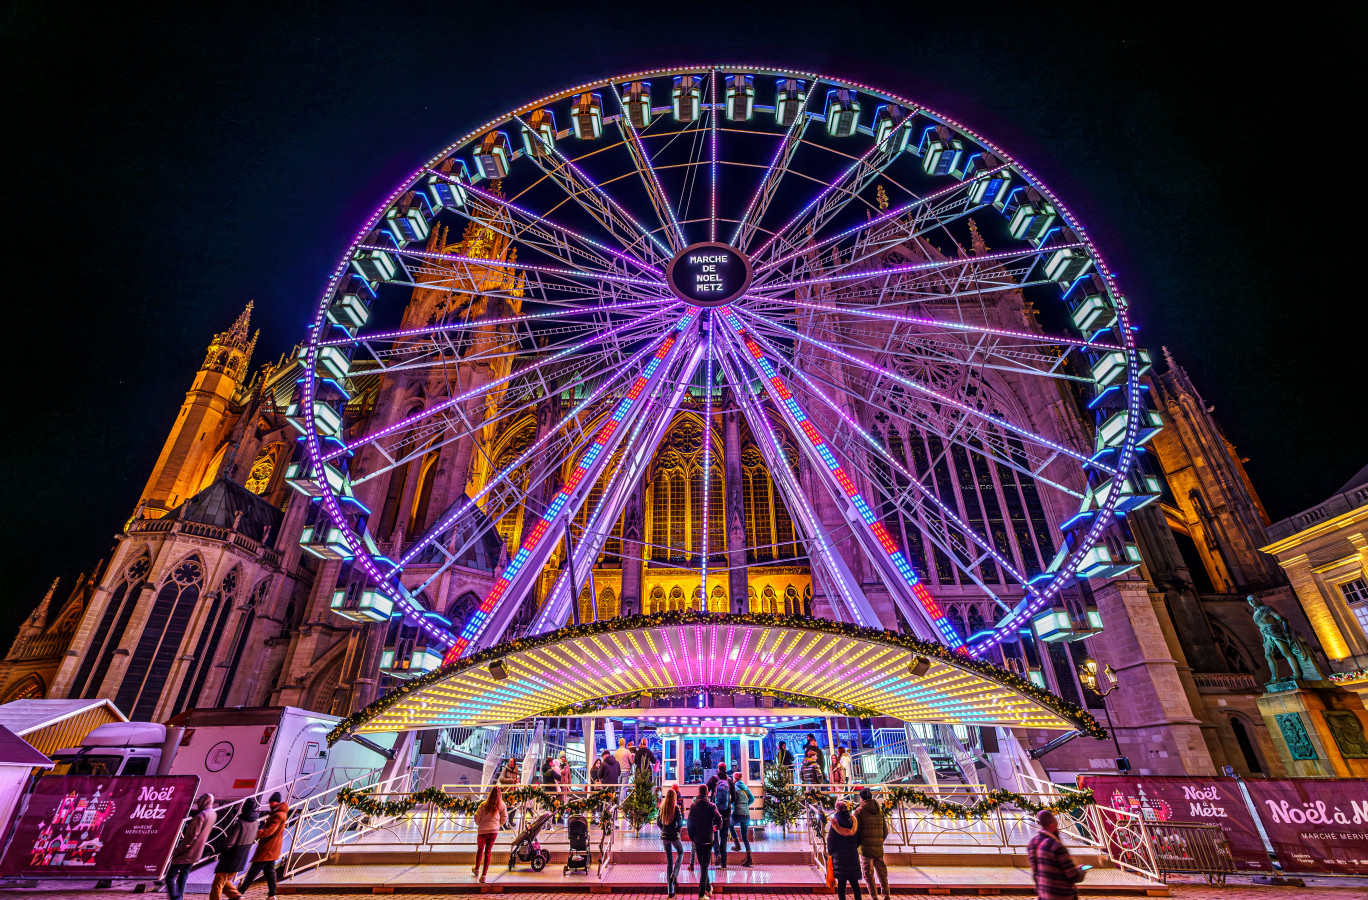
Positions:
(81, 826)
(1210, 801)
(1315, 824)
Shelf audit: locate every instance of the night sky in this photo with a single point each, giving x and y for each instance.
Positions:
(160, 171)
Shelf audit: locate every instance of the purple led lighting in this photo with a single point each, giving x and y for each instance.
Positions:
(476, 391)
(943, 323)
(890, 214)
(649, 234)
(492, 264)
(982, 541)
(943, 398)
(646, 158)
(712, 216)
(917, 267)
(593, 397)
(800, 119)
(568, 312)
(707, 464)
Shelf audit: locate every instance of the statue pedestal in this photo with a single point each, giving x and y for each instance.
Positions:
(1318, 727)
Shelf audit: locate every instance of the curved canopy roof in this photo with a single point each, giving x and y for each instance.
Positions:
(802, 661)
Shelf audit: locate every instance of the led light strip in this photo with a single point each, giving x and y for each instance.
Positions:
(480, 618)
(776, 384)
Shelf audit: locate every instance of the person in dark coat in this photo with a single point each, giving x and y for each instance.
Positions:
(1052, 868)
(783, 756)
(704, 822)
(843, 846)
(238, 841)
(811, 747)
(722, 799)
(194, 835)
(873, 830)
(671, 817)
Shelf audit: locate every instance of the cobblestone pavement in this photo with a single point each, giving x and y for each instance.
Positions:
(1240, 889)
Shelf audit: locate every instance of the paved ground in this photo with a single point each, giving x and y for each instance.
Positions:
(1315, 889)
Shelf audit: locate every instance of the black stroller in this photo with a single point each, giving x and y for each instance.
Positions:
(526, 848)
(578, 832)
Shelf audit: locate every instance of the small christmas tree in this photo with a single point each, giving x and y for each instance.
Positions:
(783, 801)
(642, 799)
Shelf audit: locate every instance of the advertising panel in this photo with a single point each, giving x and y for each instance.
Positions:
(1315, 824)
(87, 826)
(1207, 800)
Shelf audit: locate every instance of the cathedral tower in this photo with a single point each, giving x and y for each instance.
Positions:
(183, 467)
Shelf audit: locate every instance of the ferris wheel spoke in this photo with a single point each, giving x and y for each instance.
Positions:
(958, 268)
(594, 200)
(923, 494)
(475, 268)
(649, 179)
(488, 622)
(558, 443)
(601, 337)
(567, 241)
(833, 199)
(889, 229)
(943, 399)
(893, 566)
(818, 538)
(652, 422)
(769, 182)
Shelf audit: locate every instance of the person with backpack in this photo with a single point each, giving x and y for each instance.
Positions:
(873, 829)
(237, 846)
(704, 821)
(270, 844)
(843, 846)
(722, 799)
(742, 798)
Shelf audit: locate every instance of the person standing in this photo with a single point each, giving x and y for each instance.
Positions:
(843, 846)
(270, 838)
(1052, 868)
(490, 816)
(873, 830)
(783, 756)
(623, 755)
(237, 846)
(645, 758)
(704, 821)
(670, 817)
(742, 798)
(190, 848)
(812, 767)
(811, 747)
(722, 799)
(705, 757)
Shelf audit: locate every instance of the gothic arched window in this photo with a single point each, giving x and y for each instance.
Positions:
(220, 607)
(657, 600)
(113, 623)
(160, 642)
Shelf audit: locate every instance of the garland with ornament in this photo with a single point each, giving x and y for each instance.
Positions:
(1080, 718)
(898, 796)
(589, 707)
(1359, 674)
(549, 801)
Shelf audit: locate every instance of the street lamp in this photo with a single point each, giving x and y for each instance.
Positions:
(1091, 677)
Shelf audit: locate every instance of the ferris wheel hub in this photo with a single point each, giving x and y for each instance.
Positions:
(709, 274)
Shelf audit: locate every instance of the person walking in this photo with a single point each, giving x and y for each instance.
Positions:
(1052, 868)
(742, 798)
(190, 848)
(873, 830)
(670, 817)
(722, 799)
(843, 846)
(237, 846)
(270, 838)
(704, 821)
(490, 816)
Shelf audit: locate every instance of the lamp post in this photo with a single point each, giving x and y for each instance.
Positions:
(1091, 677)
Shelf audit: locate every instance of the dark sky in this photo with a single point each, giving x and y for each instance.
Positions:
(160, 171)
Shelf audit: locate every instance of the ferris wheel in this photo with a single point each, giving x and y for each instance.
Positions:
(846, 267)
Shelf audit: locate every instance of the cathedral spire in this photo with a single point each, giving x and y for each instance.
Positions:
(239, 329)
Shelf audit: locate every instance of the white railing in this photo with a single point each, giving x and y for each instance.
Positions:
(310, 837)
(609, 822)
(1117, 834)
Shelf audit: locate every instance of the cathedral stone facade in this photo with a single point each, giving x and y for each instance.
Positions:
(208, 598)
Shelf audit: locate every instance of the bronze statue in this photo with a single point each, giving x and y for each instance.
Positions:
(1280, 640)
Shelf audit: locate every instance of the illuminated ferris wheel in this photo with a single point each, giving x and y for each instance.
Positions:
(852, 272)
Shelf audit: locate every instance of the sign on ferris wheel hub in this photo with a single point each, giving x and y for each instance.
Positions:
(709, 274)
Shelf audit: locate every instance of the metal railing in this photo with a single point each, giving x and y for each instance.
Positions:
(606, 837)
(1119, 835)
(1191, 848)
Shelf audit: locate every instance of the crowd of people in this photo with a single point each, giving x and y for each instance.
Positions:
(246, 831)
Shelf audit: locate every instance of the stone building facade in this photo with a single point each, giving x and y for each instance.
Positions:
(209, 599)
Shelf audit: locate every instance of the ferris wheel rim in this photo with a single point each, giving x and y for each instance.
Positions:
(314, 448)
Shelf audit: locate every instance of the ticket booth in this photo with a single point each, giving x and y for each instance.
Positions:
(690, 753)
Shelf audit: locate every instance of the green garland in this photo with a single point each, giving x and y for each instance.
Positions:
(1071, 713)
(588, 707)
(548, 800)
(897, 796)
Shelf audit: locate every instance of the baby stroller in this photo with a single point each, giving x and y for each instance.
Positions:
(578, 860)
(526, 848)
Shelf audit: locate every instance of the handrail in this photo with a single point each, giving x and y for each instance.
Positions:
(606, 837)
